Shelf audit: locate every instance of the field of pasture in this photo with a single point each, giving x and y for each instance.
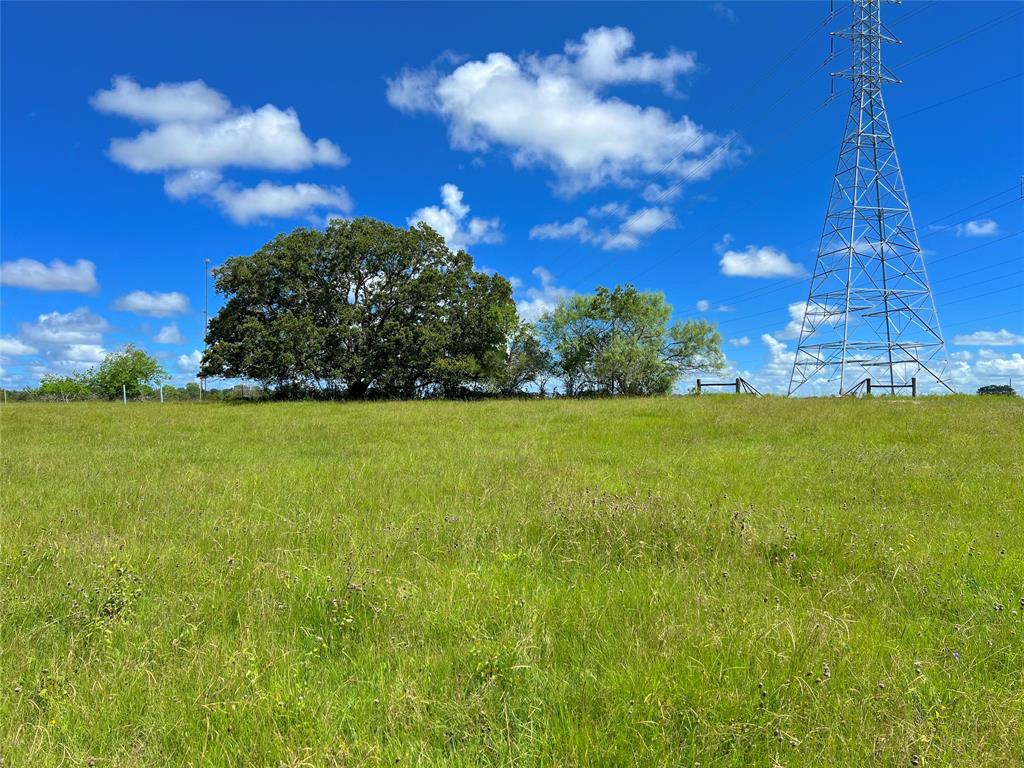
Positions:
(722, 581)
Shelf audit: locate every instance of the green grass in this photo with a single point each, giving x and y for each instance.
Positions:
(721, 581)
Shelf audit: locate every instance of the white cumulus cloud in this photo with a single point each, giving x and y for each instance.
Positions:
(979, 228)
(990, 364)
(268, 200)
(550, 110)
(268, 138)
(756, 261)
(194, 101)
(196, 127)
(1000, 338)
(779, 364)
(578, 228)
(169, 334)
(632, 229)
(742, 341)
(196, 134)
(451, 221)
(15, 347)
(796, 310)
(63, 340)
(536, 300)
(81, 354)
(602, 57)
(190, 363)
(656, 193)
(79, 277)
(153, 304)
(80, 326)
(198, 181)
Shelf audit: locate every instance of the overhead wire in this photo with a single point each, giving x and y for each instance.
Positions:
(775, 310)
(757, 292)
(787, 131)
(672, 189)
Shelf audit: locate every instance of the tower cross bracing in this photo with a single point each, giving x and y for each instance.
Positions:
(870, 311)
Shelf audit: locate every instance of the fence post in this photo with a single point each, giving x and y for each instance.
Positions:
(124, 394)
(868, 381)
(737, 386)
(698, 386)
(161, 393)
(913, 386)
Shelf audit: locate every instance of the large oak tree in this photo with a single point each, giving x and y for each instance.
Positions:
(361, 309)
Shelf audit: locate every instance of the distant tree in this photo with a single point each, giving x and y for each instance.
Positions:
(361, 309)
(130, 368)
(997, 389)
(619, 342)
(77, 386)
(524, 361)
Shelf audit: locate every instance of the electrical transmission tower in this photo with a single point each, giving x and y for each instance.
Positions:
(870, 311)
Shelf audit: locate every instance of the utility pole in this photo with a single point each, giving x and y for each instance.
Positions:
(870, 311)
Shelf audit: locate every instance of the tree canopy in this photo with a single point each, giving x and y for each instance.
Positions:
(77, 386)
(620, 342)
(361, 309)
(525, 362)
(130, 368)
(997, 389)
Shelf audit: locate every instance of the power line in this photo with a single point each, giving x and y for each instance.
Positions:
(1004, 289)
(773, 144)
(669, 192)
(958, 39)
(911, 13)
(794, 283)
(976, 320)
(757, 292)
(784, 132)
(961, 95)
(764, 151)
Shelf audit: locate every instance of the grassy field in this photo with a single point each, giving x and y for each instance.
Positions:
(721, 581)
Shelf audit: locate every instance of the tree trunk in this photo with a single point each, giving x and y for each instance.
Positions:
(356, 389)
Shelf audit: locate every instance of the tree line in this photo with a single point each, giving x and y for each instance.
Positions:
(364, 309)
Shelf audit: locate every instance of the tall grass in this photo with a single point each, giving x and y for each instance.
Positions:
(721, 581)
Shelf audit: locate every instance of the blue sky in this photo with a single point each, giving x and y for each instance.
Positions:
(139, 139)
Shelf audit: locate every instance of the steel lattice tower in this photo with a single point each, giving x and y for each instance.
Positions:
(870, 311)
